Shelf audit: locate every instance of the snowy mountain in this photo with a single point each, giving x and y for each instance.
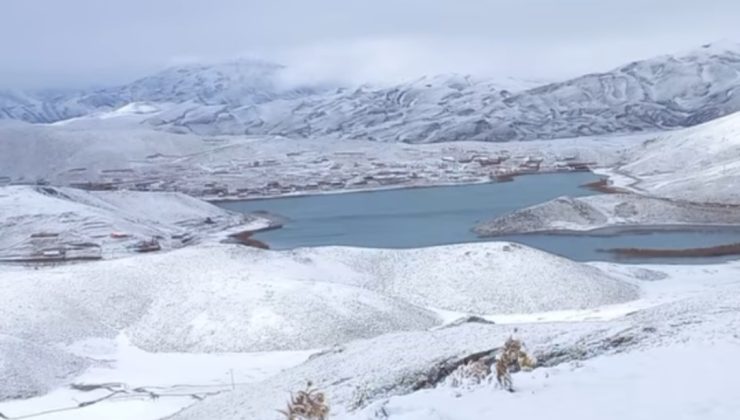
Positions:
(233, 84)
(663, 92)
(245, 97)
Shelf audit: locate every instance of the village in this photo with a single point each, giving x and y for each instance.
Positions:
(279, 170)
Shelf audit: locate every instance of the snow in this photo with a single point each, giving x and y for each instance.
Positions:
(215, 297)
(481, 278)
(28, 369)
(247, 96)
(678, 382)
(108, 223)
(139, 321)
(175, 377)
(680, 164)
(692, 312)
(581, 214)
(222, 331)
(129, 156)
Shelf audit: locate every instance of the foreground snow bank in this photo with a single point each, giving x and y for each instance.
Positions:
(355, 374)
(647, 347)
(51, 223)
(680, 382)
(610, 210)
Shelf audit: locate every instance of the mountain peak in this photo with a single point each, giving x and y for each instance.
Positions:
(722, 46)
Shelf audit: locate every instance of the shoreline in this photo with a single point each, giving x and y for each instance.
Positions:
(483, 180)
(617, 230)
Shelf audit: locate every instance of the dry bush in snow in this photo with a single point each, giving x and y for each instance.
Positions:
(307, 404)
(512, 358)
(472, 373)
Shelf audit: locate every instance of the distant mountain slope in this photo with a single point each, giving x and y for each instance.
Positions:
(243, 97)
(663, 92)
(233, 84)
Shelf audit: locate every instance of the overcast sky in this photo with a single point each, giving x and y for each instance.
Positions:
(76, 43)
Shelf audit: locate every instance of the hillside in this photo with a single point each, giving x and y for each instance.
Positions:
(700, 163)
(50, 224)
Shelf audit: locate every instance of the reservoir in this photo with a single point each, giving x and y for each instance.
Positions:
(418, 217)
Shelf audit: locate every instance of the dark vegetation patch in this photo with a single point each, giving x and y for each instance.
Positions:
(713, 251)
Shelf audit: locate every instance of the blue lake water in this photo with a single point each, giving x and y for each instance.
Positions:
(417, 217)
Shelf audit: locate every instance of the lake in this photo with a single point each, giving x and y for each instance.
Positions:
(418, 217)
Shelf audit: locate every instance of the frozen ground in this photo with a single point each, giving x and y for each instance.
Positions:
(609, 210)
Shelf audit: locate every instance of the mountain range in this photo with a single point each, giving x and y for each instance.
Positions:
(248, 97)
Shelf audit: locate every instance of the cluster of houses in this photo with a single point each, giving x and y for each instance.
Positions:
(304, 173)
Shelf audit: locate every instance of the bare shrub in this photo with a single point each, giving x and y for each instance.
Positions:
(512, 358)
(470, 374)
(307, 404)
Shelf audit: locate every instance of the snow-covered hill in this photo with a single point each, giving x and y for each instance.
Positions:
(63, 224)
(700, 163)
(230, 84)
(224, 298)
(575, 214)
(247, 97)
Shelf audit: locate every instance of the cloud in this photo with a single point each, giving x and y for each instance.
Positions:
(389, 60)
(82, 42)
